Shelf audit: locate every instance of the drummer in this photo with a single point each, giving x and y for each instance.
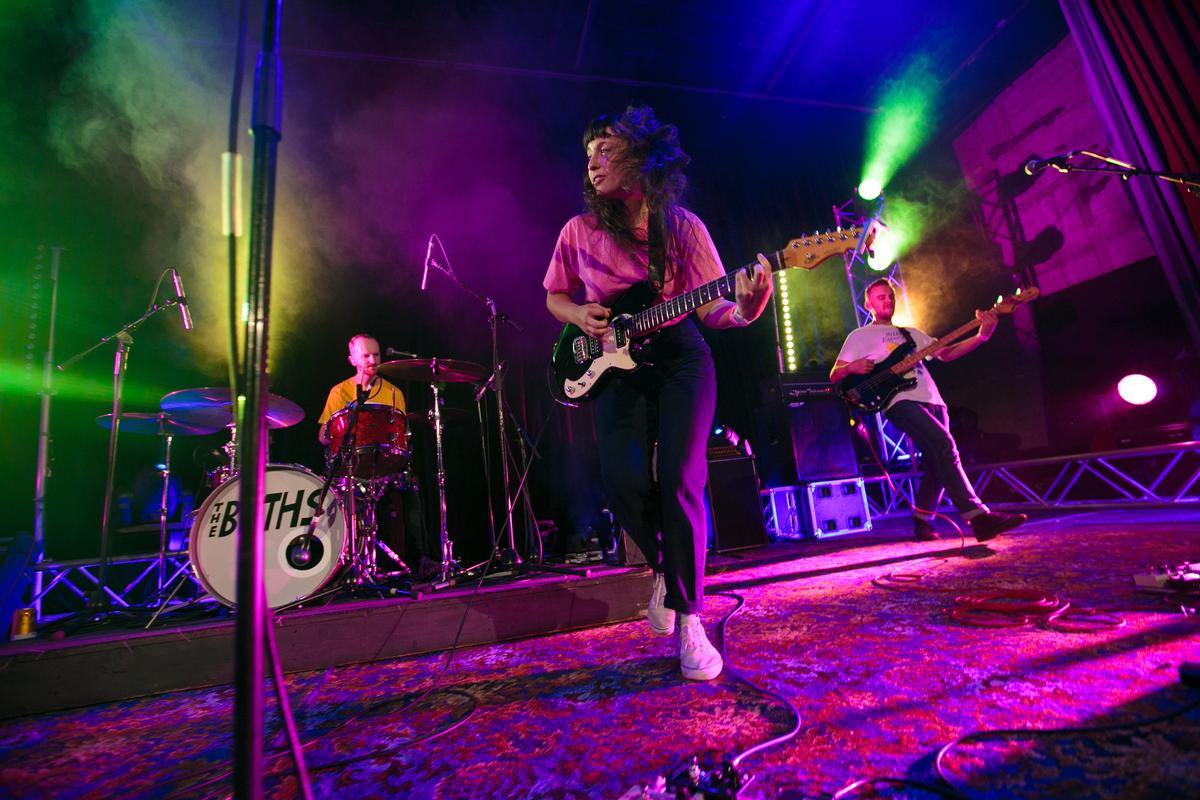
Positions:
(364, 357)
(401, 519)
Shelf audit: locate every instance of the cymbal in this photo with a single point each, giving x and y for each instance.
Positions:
(212, 406)
(433, 370)
(160, 424)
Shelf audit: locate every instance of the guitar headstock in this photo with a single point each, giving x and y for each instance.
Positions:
(809, 251)
(1006, 305)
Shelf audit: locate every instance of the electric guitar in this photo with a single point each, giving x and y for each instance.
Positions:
(873, 391)
(580, 365)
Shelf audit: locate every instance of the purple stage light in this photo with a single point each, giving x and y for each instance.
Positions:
(1137, 389)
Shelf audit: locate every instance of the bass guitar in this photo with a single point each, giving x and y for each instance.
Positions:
(873, 391)
(580, 365)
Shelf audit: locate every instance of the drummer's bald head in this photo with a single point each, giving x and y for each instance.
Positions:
(356, 337)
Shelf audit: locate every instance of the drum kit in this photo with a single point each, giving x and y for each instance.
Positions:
(320, 534)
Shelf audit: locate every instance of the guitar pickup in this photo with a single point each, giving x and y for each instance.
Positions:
(585, 349)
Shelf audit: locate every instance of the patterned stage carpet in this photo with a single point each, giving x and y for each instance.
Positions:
(881, 675)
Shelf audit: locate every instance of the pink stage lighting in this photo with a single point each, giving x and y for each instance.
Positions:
(1137, 389)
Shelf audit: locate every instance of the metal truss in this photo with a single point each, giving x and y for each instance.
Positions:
(66, 585)
(1143, 477)
(896, 449)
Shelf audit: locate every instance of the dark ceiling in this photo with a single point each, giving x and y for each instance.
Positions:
(816, 52)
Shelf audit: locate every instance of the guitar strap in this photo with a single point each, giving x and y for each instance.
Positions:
(656, 251)
(908, 337)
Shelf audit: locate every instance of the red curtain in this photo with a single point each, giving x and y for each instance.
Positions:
(1158, 46)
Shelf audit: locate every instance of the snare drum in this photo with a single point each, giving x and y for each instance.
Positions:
(380, 440)
(290, 572)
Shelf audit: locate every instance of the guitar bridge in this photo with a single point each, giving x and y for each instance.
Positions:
(585, 349)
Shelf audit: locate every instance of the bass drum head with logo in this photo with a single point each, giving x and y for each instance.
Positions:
(289, 573)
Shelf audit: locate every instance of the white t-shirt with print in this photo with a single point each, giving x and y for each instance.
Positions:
(877, 342)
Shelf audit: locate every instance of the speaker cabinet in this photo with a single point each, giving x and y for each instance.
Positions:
(804, 440)
(733, 497)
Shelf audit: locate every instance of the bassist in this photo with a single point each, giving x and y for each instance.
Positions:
(652, 423)
(920, 412)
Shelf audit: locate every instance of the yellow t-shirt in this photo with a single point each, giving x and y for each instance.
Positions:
(343, 394)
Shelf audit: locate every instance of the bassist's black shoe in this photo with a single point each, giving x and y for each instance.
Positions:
(923, 530)
(992, 524)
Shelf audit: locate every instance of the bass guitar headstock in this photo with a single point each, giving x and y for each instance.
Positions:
(1007, 305)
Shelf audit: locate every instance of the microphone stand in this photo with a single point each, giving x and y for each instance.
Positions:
(97, 602)
(1126, 170)
(509, 557)
(253, 613)
(343, 457)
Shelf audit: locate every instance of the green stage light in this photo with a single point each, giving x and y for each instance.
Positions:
(81, 384)
(869, 189)
(906, 118)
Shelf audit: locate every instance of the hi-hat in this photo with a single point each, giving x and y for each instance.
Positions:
(212, 406)
(432, 370)
(160, 424)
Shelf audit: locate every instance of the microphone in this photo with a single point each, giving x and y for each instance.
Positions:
(428, 257)
(1035, 165)
(392, 352)
(181, 300)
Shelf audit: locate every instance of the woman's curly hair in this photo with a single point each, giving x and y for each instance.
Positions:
(653, 151)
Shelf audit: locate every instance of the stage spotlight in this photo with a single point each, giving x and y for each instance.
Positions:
(884, 249)
(869, 189)
(1137, 389)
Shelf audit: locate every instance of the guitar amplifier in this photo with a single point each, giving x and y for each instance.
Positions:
(795, 392)
(802, 434)
(733, 498)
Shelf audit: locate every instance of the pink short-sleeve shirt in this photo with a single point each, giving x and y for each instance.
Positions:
(587, 257)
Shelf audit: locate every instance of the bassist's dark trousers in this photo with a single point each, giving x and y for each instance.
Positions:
(928, 426)
(671, 402)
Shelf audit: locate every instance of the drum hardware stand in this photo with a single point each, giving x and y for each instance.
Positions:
(180, 581)
(230, 450)
(163, 513)
(509, 557)
(97, 602)
(332, 467)
(364, 533)
(450, 565)
(361, 552)
(525, 464)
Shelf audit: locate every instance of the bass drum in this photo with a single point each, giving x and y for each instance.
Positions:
(290, 572)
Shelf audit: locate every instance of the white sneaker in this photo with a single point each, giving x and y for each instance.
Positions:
(698, 659)
(661, 618)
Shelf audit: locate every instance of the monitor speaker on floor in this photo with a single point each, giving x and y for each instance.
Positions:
(737, 513)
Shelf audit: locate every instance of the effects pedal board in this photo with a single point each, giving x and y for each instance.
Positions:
(693, 780)
(1167, 579)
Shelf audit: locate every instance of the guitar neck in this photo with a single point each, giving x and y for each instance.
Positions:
(911, 361)
(660, 314)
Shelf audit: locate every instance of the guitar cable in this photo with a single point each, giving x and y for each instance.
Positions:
(911, 579)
